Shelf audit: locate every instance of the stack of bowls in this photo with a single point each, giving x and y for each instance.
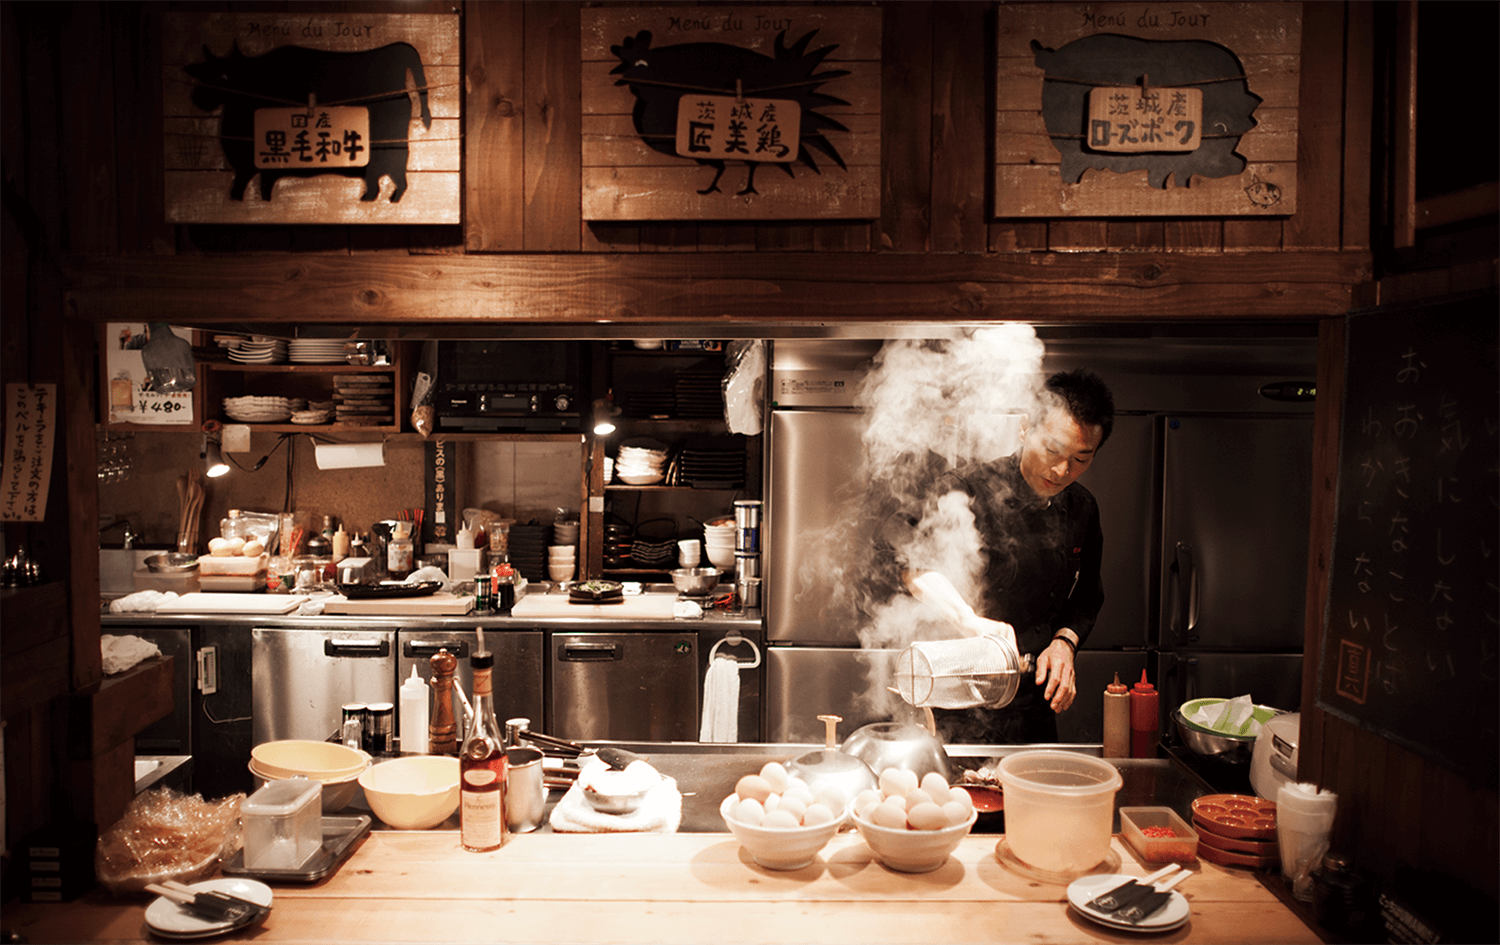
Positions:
(641, 465)
(718, 543)
(561, 561)
(337, 766)
(564, 533)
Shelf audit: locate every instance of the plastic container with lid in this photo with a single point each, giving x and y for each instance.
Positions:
(283, 824)
(1059, 809)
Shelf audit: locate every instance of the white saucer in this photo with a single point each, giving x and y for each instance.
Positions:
(168, 919)
(1081, 892)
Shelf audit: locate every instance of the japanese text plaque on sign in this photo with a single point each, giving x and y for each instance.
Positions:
(724, 128)
(312, 137)
(1134, 119)
(30, 430)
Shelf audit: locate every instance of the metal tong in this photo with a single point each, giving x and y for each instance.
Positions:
(1137, 900)
(210, 904)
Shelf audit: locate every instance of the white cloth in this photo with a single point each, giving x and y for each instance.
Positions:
(141, 602)
(660, 812)
(721, 701)
(122, 652)
(1230, 717)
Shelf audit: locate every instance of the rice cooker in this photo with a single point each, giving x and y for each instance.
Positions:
(1273, 761)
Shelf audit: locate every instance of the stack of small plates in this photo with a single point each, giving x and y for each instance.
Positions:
(698, 393)
(318, 411)
(528, 551)
(641, 465)
(367, 399)
(167, 920)
(263, 351)
(261, 409)
(316, 350)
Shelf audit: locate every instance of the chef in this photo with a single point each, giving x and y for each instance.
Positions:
(1042, 543)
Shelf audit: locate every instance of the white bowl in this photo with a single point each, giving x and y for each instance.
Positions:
(416, 792)
(645, 480)
(560, 572)
(720, 557)
(788, 848)
(912, 851)
(304, 758)
(337, 793)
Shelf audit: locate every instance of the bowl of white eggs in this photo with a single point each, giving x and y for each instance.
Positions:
(779, 820)
(912, 825)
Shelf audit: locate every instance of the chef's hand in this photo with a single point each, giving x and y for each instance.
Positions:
(1054, 666)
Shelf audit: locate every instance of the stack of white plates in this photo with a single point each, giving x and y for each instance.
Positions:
(261, 409)
(609, 469)
(640, 466)
(263, 351)
(312, 416)
(316, 350)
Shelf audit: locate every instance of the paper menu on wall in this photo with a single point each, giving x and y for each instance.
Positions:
(125, 376)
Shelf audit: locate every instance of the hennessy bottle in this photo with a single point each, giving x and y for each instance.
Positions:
(481, 764)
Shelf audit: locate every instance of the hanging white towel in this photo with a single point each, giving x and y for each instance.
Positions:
(721, 701)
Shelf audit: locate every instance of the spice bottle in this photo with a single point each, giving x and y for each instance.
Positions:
(481, 764)
(1117, 719)
(398, 554)
(1144, 722)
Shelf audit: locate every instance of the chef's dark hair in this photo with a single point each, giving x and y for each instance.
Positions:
(1087, 398)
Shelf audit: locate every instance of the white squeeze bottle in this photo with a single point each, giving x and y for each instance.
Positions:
(414, 715)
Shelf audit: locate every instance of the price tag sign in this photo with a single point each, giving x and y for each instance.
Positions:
(1134, 119)
(724, 128)
(154, 407)
(289, 138)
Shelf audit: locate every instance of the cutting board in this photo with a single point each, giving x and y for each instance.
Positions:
(433, 605)
(642, 607)
(207, 602)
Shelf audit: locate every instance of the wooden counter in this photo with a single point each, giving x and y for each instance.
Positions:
(421, 887)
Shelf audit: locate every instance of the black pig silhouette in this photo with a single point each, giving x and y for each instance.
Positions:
(659, 77)
(1109, 59)
(285, 77)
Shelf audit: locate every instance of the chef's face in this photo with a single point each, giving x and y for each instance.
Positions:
(1057, 451)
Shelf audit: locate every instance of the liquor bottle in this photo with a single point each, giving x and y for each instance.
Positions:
(481, 763)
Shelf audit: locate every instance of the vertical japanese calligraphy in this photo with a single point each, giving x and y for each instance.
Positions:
(1411, 643)
(30, 430)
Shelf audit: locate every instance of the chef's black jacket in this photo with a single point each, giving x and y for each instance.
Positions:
(1041, 574)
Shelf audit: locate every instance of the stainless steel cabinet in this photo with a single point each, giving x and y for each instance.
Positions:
(624, 686)
(302, 677)
(517, 675)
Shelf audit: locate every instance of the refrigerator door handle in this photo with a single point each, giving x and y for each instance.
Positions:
(358, 648)
(1187, 593)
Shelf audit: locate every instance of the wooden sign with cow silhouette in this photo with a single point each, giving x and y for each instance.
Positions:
(731, 113)
(1163, 111)
(312, 118)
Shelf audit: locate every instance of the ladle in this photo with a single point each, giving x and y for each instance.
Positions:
(829, 766)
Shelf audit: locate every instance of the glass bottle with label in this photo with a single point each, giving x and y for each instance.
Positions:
(398, 559)
(481, 763)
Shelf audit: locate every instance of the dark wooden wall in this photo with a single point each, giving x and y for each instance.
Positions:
(84, 233)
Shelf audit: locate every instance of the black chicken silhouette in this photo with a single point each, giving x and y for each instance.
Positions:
(660, 77)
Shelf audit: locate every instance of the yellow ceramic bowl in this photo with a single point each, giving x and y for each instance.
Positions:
(412, 793)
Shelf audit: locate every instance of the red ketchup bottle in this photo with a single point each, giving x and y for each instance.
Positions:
(1144, 725)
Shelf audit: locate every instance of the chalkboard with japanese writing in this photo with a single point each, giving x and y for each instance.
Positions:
(1411, 637)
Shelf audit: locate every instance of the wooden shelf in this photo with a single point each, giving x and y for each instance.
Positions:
(300, 368)
(612, 487)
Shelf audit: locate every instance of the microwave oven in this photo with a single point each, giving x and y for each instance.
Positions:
(510, 386)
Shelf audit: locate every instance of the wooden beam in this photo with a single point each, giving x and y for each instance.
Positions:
(718, 289)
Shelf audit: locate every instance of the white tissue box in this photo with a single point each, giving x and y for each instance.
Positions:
(464, 563)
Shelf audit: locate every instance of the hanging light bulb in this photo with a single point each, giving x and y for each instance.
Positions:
(604, 416)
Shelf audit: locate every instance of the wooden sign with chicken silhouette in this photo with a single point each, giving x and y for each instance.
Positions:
(312, 117)
(720, 113)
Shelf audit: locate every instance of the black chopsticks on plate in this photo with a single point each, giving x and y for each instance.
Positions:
(211, 904)
(1137, 900)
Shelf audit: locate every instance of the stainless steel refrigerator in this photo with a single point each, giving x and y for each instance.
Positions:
(1204, 492)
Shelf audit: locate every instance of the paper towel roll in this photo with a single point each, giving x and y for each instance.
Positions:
(349, 455)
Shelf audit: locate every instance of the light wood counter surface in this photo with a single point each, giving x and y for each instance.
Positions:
(681, 888)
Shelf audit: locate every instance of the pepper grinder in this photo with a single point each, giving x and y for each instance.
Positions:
(442, 730)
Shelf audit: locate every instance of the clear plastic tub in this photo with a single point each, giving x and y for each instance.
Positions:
(1059, 809)
(1138, 823)
(283, 824)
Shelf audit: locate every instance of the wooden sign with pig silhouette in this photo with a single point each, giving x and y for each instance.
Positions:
(1110, 111)
(312, 118)
(721, 113)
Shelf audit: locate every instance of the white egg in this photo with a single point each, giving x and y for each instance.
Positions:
(816, 815)
(889, 815)
(236, 544)
(897, 782)
(865, 801)
(772, 802)
(776, 776)
(214, 544)
(801, 792)
(927, 816)
(749, 811)
(957, 812)
(793, 805)
(832, 797)
(253, 549)
(917, 796)
(934, 784)
(753, 785)
(961, 796)
(779, 820)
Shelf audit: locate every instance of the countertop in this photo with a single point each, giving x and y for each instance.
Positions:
(421, 887)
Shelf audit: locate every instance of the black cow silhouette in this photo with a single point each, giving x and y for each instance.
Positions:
(660, 77)
(285, 77)
(1110, 59)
